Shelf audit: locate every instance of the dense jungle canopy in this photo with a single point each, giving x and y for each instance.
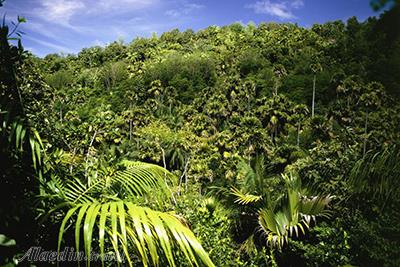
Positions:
(242, 145)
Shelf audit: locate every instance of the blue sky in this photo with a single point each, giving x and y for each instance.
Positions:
(67, 26)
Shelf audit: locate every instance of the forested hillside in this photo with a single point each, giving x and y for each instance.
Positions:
(269, 145)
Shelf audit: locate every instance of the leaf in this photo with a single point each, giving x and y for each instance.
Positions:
(136, 179)
(151, 233)
(6, 241)
(244, 199)
(21, 19)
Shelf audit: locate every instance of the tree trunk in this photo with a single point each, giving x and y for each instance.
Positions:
(313, 96)
(184, 175)
(165, 173)
(130, 130)
(88, 153)
(365, 133)
(298, 134)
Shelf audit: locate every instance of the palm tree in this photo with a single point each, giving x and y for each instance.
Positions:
(315, 68)
(279, 215)
(106, 209)
(280, 72)
(299, 113)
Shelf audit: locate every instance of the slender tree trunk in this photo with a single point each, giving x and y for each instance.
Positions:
(365, 133)
(130, 130)
(71, 166)
(313, 96)
(130, 123)
(249, 158)
(88, 153)
(298, 134)
(184, 175)
(163, 158)
(165, 174)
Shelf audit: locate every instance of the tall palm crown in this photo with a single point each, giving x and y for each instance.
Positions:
(279, 215)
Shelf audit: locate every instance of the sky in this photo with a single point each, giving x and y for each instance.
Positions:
(67, 26)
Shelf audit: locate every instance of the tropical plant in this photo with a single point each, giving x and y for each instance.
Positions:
(279, 215)
(283, 220)
(107, 208)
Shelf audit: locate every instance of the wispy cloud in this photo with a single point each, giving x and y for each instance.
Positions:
(281, 9)
(56, 47)
(63, 12)
(104, 5)
(297, 3)
(58, 11)
(68, 25)
(186, 9)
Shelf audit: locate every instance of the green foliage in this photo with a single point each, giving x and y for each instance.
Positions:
(320, 104)
(326, 246)
(113, 74)
(211, 224)
(189, 74)
(108, 202)
(294, 215)
(377, 173)
(149, 233)
(375, 241)
(60, 79)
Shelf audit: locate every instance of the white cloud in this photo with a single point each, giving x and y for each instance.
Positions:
(281, 9)
(59, 11)
(63, 11)
(102, 6)
(186, 9)
(297, 4)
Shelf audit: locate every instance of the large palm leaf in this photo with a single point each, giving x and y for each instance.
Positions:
(104, 209)
(130, 227)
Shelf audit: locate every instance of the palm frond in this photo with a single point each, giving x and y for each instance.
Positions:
(20, 134)
(128, 226)
(309, 208)
(294, 215)
(78, 192)
(141, 178)
(97, 213)
(275, 232)
(378, 173)
(134, 179)
(278, 227)
(244, 198)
